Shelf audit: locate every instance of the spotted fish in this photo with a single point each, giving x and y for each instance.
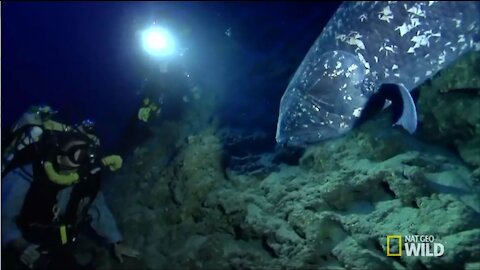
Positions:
(364, 46)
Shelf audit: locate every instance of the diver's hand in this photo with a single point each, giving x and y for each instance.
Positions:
(30, 255)
(121, 250)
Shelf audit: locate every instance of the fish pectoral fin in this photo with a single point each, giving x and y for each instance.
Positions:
(408, 117)
(401, 102)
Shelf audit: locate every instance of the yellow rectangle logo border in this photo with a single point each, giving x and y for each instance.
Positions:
(399, 237)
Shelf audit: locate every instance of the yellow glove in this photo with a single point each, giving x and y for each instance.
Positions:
(114, 162)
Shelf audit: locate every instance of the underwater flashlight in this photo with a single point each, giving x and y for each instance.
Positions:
(158, 41)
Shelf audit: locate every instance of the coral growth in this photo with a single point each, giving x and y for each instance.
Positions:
(331, 209)
(449, 108)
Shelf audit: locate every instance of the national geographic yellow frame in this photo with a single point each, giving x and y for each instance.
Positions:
(399, 237)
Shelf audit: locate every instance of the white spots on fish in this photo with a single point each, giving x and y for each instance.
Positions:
(394, 67)
(376, 59)
(471, 26)
(405, 28)
(461, 38)
(448, 43)
(365, 63)
(388, 48)
(453, 49)
(352, 39)
(343, 125)
(457, 22)
(341, 37)
(339, 65)
(426, 56)
(374, 74)
(349, 97)
(339, 24)
(416, 79)
(335, 53)
(336, 72)
(477, 46)
(430, 33)
(430, 3)
(304, 109)
(316, 108)
(357, 112)
(441, 57)
(386, 14)
(344, 86)
(464, 46)
(325, 66)
(428, 73)
(363, 17)
(417, 10)
(329, 29)
(350, 69)
(386, 74)
(422, 40)
(330, 122)
(472, 44)
(305, 126)
(396, 75)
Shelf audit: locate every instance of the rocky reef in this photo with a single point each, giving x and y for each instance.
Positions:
(187, 203)
(449, 108)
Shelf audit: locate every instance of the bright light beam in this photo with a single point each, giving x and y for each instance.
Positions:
(158, 41)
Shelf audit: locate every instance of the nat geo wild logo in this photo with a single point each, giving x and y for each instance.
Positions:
(414, 246)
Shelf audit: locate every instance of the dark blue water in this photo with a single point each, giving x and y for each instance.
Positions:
(85, 59)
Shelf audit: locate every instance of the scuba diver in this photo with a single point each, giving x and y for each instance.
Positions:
(165, 94)
(48, 198)
(22, 139)
(149, 107)
(27, 131)
(172, 85)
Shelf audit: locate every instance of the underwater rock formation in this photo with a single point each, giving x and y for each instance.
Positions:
(449, 108)
(332, 209)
